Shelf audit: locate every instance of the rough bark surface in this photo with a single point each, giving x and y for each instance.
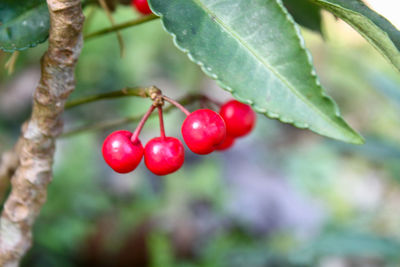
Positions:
(8, 164)
(34, 172)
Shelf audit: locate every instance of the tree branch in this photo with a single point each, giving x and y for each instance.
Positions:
(121, 26)
(9, 163)
(29, 183)
(138, 91)
(187, 100)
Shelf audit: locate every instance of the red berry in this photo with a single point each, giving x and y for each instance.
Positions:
(142, 6)
(228, 143)
(203, 130)
(239, 118)
(164, 155)
(120, 153)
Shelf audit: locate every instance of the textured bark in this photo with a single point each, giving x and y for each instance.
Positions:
(29, 183)
(8, 164)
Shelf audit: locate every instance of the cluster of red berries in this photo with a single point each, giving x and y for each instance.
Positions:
(203, 131)
(239, 120)
(142, 6)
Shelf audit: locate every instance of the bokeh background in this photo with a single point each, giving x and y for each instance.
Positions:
(280, 197)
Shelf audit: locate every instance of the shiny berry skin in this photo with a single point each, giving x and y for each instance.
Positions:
(120, 153)
(228, 143)
(203, 130)
(164, 155)
(142, 6)
(239, 118)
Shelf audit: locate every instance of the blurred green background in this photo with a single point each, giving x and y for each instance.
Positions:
(280, 197)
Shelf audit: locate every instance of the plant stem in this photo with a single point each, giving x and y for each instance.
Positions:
(108, 124)
(89, 19)
(121, 26)
(139, 128)
(36, 154)
(160, 117)
(139, 91)
(176, 104)
(104, 5)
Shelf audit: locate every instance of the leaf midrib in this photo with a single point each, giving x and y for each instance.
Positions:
(287, 83)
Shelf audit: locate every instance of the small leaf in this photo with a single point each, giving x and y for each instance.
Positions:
(254, 50)
(23, 24)
(373, 27)
(305, 13)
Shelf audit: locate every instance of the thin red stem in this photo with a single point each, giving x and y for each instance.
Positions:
(173, 102)
(135, 135)
(160, 116)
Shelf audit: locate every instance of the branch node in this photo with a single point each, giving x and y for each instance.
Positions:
(156, 95)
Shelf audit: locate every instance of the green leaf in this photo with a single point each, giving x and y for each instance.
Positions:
(373, 27)
(23, 24)
(305, 13)
(348, 243)
(254, 50)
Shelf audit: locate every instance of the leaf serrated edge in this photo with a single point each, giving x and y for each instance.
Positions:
(31, 45)
(355, 139)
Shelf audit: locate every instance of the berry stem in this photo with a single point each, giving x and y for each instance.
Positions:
(176, 104)
(135, 135)
(160, 116)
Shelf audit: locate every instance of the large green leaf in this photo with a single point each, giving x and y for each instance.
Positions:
(254, 50)
(305, 13)
(23, 24)
(373, 27)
